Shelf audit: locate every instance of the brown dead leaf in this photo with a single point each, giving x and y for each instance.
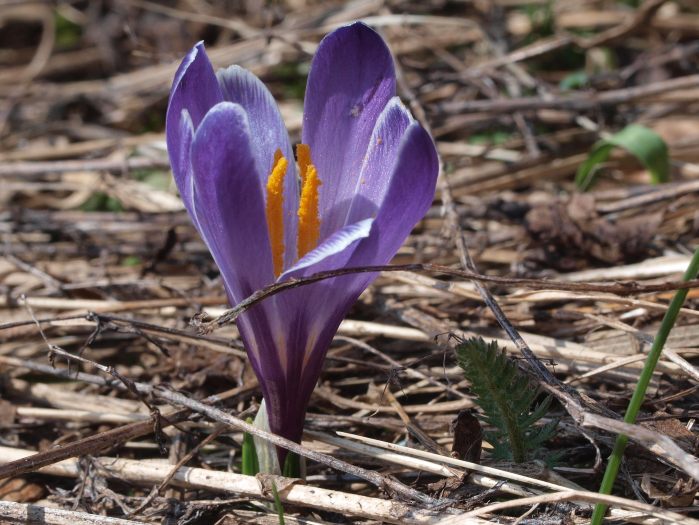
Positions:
(468, 437)
(267, 481)
(681, 494)
(20, 490)
(674, 429)
(445, 487)
(570, 233)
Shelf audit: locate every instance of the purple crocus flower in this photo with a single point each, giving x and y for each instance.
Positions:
(365, 175)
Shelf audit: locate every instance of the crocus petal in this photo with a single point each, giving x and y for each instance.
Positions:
(350, 81)
(310, 315)
(379, 161)
(194, 91)
(240, 86)
(295, 328)
(228, 200)
(180, 152)
(300, 326)
(327, 255)
(409, 196)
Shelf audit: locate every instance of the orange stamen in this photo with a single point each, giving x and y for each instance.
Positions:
(275, 211)
(303, 157)
(309, 221)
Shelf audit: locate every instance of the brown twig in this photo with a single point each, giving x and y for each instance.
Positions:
(535, 284)
(582, 102)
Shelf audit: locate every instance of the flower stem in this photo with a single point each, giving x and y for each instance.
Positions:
(643, 381)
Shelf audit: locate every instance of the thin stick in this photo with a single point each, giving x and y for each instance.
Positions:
(258, 487)
(578, 495)
(456, 462)
(231, 315)
(33, 513)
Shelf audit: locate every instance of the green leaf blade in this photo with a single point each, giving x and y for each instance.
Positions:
(643, 143)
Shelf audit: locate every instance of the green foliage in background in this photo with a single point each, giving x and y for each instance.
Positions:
(506, 396)
(131, 260)
(68, 34)
(575, 80)
(541, 19)
(100, 201)
(641, 142)
(159, 180)
(491, 138)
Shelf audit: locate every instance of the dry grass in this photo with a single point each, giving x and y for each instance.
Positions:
(99, 260)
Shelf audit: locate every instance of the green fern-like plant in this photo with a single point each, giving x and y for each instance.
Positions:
(506, 395)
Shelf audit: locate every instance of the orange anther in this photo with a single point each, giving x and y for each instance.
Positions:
(275, 211)
(303, 157)
(309, 220)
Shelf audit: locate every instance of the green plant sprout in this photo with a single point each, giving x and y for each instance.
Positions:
(506, 396)
(640, 392)
(641, 142)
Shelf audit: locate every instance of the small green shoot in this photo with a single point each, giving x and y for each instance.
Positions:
(292, 466)
(278, 503)
(68, 33)
(639, 393)
(575, 80)
(506, 396)
(643, 143)
(131, 260)
(250, 465)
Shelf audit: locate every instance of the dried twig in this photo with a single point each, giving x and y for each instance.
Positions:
(536, 284)
(290, 491)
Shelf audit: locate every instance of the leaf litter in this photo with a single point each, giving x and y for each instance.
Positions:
(98, 259)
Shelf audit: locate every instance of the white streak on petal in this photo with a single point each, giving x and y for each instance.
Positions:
(334, 244)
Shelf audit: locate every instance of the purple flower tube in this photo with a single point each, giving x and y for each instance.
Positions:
(365, 175)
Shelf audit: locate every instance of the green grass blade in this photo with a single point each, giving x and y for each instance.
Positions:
(278, 503)
(250, 465)
(639, 394)
(292, 465)
(641, 142)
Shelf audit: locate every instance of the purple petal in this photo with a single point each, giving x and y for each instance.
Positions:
(379, 162)
(266, 125)
(292, 331)
(194, 91)
(332, 252)
(293, 336)
(351, 80)
(228, 200)
(409, 196)
(308, 317)
(180, 152)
